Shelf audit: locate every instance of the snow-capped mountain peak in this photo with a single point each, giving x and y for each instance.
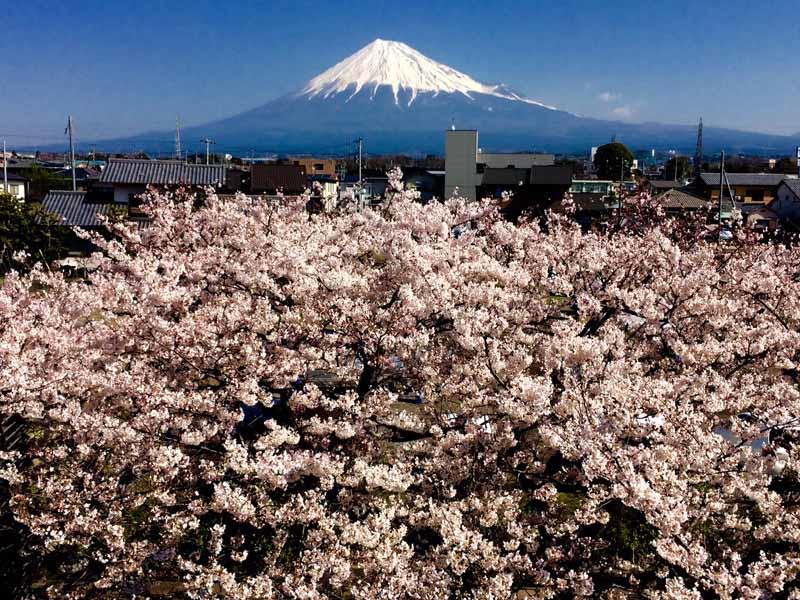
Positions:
(399, 66)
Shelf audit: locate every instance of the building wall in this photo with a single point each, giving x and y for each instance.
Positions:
(786, 204)
(317, 166)
(461, 152)
(745, 193)
(122, 192)
(516, 160)
(15, 188)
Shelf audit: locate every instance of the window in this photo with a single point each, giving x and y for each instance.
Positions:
(319, 167)
(754, 195)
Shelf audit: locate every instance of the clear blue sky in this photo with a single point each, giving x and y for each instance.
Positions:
(128, 67)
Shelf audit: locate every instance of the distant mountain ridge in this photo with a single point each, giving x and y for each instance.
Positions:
(401, 101)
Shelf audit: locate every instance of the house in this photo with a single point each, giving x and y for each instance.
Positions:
(592, 186)
(760, 218)
(675, 201)
(747, 188)
(429, 183)
(466, 165)
(590, 209)
(273, 178)
(329, 186)
(84, 176)
(316, 166)
(79, 209)
(129, 178)
(237, 180)
(659, 186)
(82, 209)
(787, 203)
(16, 185)
(532, 189)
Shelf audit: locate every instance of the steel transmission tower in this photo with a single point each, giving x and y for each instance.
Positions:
(178, 137)
(698, 153)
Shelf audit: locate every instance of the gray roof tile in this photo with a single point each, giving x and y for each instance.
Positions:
(73, 208)
(161, 172)
(754, 179)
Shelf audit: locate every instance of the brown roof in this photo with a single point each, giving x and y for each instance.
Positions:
(271, 178)
(681, 199)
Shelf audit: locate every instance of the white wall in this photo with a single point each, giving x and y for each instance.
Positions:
(15, 188)
(122, 192)
(786, 204)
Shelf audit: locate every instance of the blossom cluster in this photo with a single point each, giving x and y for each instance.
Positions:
(251, 400)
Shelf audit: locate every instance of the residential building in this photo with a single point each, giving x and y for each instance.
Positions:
(747, 188)
(274, 178)
(316, 166)
(532, 189)
(675, 201)
(761, 218)
(659, 186)
(466, 165)
(429, 183)
(787, 203)
(329, 185)
(602, 187)
(129, 178)
(17, 186)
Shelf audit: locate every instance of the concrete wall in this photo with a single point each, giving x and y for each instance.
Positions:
(516, 160)
(461, 152)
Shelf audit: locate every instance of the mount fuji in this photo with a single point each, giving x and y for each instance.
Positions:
(401, 101)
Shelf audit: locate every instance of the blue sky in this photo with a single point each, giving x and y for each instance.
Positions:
(128, 67)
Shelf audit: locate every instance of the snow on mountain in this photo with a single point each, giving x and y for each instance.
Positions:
(399, 66)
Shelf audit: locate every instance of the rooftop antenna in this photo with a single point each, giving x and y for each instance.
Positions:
(178, 137)
(698, 153)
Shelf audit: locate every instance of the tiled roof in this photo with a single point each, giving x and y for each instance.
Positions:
(768, 179)
(662, 184)
(73, 208)
(12, 177)
(290, 178)
(793, 185)
(161, 172)
(680, 199)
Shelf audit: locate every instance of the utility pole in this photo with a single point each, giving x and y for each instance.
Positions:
(5, 169)
(178, 137)
(71, 153)
(208, 143)
(360, 142)
(721, 188)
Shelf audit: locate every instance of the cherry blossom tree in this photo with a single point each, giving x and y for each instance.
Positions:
(251, 400)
